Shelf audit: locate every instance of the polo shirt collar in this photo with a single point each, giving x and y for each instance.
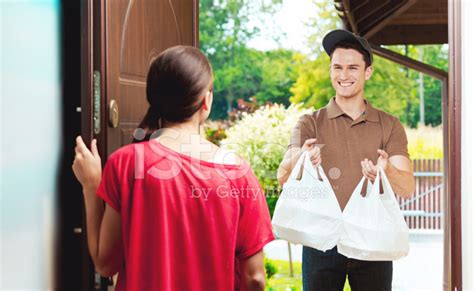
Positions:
(371, 113)
(334, 111)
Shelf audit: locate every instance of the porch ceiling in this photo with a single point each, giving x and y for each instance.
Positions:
(390, 22)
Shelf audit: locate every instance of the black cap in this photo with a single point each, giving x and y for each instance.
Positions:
(340, 35)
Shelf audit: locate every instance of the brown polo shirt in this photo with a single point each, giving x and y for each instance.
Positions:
(345, 142)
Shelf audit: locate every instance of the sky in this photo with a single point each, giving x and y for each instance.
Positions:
(290, 21)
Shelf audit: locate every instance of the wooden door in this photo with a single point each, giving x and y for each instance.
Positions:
(119, 39)
(136, 31)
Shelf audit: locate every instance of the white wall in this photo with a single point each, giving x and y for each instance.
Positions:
(30, 128)
(467, 143)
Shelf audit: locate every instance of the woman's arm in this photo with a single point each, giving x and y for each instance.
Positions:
(252, 273)
(103, 223)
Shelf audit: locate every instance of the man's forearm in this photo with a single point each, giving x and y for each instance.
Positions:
(94, 213)
(402, 182)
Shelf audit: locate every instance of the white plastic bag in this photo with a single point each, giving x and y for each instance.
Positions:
(307, 211)
(374, 228)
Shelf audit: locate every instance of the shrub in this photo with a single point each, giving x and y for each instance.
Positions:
(270, 268)
(262, 138)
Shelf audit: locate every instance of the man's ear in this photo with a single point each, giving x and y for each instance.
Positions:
(368, 72)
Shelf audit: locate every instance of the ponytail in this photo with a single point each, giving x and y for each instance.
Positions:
(150, 123)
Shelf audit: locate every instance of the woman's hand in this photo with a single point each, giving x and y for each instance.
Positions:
(87, 165)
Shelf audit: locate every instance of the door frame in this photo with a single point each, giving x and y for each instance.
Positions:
(452, 143)
(93, 51)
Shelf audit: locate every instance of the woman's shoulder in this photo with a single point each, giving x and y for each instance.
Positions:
(227, 157)
(124, 153)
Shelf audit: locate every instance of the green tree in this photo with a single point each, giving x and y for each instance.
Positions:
(434, 55)
(313, 85)
(225, 28)
(437, 56)
(278, 75)
(389, 89)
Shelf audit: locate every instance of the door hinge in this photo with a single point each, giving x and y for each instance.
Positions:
(96, 102)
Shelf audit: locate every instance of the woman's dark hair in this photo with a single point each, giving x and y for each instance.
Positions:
(354, 46)
(176, 85)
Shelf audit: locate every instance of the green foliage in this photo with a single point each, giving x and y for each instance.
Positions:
(262, 138)
(238, 77)
(225, 29)
(313, 86)
(278, 75)
(270, 268)
(282, 280)
(436, 56)
(266, 75)
(240, 72)
(389, 89)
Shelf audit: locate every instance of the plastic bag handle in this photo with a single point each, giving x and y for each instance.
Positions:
(386, 184)
(322, 174)
(376, 186)
(304, 164)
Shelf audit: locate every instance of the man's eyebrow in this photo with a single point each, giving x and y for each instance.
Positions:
(351, 65)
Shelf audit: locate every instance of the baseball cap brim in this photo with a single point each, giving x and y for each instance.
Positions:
(340, 35)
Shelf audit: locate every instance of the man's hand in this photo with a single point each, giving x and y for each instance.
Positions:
(369, 170)
(293, 154)
(87, 166)
(313, 150)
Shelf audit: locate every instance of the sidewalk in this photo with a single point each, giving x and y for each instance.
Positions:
(421, 270)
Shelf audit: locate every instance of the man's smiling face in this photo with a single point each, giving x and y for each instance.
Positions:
(348, 72)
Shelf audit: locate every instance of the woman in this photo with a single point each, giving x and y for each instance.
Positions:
(174, 218)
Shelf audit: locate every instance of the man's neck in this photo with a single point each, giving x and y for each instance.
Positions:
(353, 106)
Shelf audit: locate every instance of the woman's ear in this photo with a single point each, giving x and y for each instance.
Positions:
(207, 102)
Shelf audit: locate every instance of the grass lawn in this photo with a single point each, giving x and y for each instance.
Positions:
(282, 281)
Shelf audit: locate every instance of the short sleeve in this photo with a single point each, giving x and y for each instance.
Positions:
(301, 132)
(109, 189)
(397, 143)
(254, 228)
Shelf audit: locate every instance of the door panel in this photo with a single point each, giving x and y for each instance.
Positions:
(136, 31)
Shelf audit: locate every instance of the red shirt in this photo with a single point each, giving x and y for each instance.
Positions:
(185, 222)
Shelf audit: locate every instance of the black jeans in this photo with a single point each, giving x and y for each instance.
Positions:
(327, 271)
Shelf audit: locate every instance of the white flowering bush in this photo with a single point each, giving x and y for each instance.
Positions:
(262, 138)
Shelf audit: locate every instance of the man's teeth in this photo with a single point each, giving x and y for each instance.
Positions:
(345, 84)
